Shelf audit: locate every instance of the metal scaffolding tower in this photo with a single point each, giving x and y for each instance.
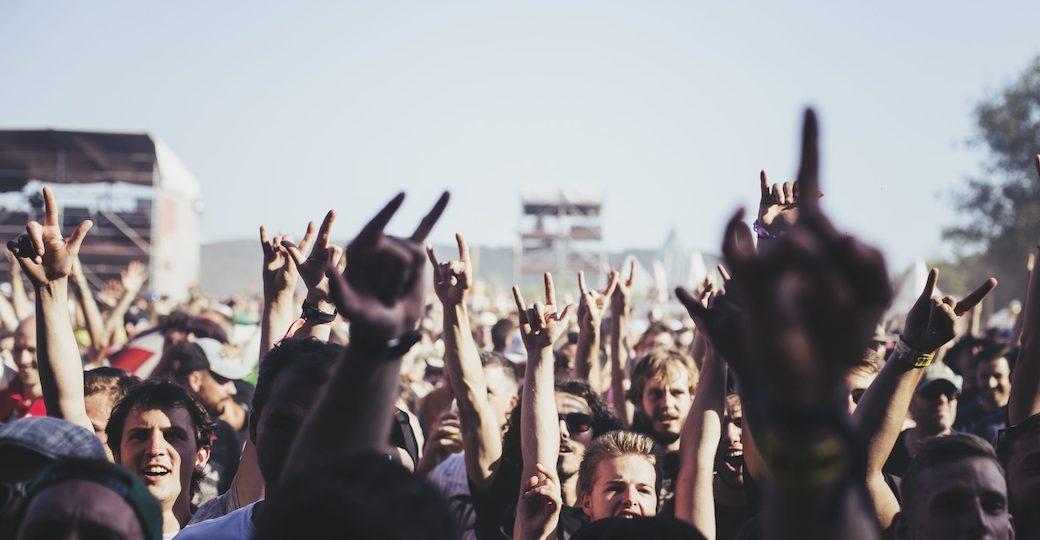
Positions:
(561, 231)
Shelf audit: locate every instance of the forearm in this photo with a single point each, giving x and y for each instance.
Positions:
(618, 372)
(881, 411)
(94, 322)
(115, 318)
(539, 420)
(481, 432)
(57, 354)
(319, 331)
(23, 308)
(701, 434)
(586, 358)
(1025, 385)
(353, 412)
(278, 315)
(7, 315)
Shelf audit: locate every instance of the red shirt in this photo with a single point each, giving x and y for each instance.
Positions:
(13, 405)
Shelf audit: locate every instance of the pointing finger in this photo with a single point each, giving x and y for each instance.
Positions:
(50, 218)
(374, 228)
(975, 297)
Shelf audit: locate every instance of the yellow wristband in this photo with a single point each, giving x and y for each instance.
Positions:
(916, 358)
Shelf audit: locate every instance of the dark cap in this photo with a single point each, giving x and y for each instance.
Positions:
(51, 437)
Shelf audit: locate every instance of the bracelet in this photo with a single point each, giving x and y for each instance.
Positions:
(794, 457)
(389, 350)
(311, 313)
(762, 232)
(916, 358)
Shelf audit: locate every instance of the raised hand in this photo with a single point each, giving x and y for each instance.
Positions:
(715, 313)
(811, 301)
(312, 269)
(593, 303)
(279, 273)
(43, 253)
(538, 511)
(381, 291)
(622, 297)
(133, 277)
(778, 204)
(452, 279)
(541, 324)
(931, 322)
(447, 437)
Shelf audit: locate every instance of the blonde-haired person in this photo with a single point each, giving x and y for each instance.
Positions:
(619, 476)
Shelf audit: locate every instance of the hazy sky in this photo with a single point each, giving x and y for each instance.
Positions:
(284, 110)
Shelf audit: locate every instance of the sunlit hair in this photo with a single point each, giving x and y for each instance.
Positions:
(114, 383)
(662, 363)
(868, 365)
(613, 445)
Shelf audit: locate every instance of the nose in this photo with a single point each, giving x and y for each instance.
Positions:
(975, 520)
(157, 444)
(564, 433)
(230, 388)
(670, 401)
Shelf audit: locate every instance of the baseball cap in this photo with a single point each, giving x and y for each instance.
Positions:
(938, 373)
(51, 437)
(220, 362)
(208, 354)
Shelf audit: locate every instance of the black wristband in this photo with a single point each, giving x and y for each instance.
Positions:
(387, 350)
(311, 313)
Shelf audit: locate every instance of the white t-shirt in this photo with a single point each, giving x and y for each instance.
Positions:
(237, 525)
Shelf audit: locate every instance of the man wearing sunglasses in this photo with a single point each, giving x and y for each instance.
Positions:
(934, 410)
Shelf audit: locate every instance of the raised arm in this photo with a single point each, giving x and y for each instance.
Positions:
(620, 305)
(318, 307)
(95, 323)
(481, 427)
(279, 278)
(23, 307)
(1025, 385)
(701, 433)
(381, 295)
(930, 324)
(132, 279)
(47, 257)
(590, 316)
(540, 327)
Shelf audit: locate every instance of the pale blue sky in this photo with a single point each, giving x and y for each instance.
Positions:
(283, 110)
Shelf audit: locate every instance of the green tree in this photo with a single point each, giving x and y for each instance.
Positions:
(1003, 205)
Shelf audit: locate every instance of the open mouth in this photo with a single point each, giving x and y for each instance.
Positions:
(155, 472)
(565, 449)
(734, 460)
(628, 514)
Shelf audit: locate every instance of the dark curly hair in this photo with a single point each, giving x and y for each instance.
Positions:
(310, 356)
(163, 395)
(603, 420)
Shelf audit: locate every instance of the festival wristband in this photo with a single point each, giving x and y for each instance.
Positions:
(916, 358)
(762, 232)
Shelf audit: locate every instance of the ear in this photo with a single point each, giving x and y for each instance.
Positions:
(201, 458)
(194, 380)
(586, 504)
(513, 401)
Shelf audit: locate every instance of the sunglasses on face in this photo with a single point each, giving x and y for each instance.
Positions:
(577, 422)
(935, 390)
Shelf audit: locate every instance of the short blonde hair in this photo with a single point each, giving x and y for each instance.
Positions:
(615, 444)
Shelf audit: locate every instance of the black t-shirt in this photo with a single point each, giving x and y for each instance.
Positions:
(496, 508)
(900, 457)
(730, 519)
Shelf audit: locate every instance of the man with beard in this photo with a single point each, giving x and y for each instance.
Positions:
(933, 408)
(663, 385)
(988, 413)
(732, 509)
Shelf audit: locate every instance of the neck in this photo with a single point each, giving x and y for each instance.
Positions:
(674, 446)
(569, 489)
(170, 522)
(181, 511)
(988, 406)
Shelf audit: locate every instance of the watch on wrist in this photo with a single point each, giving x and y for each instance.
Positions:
(311, 313)
(386, 350)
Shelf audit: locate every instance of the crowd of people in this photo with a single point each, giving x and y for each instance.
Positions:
(346, 402)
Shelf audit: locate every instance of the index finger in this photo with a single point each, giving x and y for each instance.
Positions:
(723, 273)
(427, 223)
(581, 282)
(976, 296)
(929, 283)
(308, 236)
(520, 304)
(809, 168)
(433, 258)
(763, 184)
(374, 228)
(325, 230)
(50, 217)
(612, 279)
(550, 290)
(631, 271)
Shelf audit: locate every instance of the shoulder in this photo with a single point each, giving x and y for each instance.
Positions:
(214, 508)
(236, 525)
